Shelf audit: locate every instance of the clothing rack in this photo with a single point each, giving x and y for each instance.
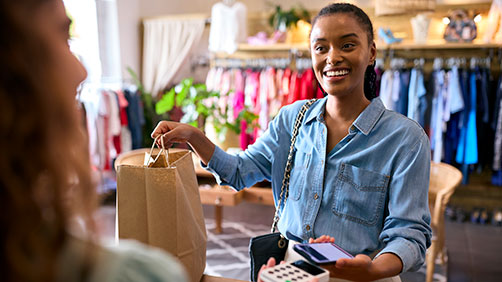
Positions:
(489, 56)
(261, 63)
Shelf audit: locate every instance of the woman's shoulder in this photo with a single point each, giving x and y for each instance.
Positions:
(399, 124)
(139, 262)
(129, 261)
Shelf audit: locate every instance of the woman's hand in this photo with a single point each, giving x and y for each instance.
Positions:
(271, 263)
(363, 268)
(322, 239)
(175, 132)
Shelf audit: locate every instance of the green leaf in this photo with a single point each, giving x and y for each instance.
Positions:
(182, 95)
(166, 103)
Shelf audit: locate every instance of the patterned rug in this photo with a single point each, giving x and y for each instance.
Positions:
(227, 253)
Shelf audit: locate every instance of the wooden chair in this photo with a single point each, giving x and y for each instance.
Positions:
(443, 181)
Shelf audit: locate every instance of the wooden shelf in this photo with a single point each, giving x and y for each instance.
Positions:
(263, 50)
(274, 47)
(437, 45)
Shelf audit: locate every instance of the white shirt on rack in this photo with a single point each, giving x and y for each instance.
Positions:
(228, 27)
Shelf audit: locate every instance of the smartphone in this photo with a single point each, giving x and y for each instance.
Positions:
(321, 253)
(298, 271)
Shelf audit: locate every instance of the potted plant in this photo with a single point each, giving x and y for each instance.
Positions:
(295, 22)
(201, 107)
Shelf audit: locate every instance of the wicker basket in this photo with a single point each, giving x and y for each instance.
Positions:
(394, 7)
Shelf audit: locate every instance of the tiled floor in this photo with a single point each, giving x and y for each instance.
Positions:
(474, 251)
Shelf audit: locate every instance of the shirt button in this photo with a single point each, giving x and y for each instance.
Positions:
(316, 196)
(308, 227)
(352, 128)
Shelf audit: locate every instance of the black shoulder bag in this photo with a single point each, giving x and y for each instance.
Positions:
(274, 244)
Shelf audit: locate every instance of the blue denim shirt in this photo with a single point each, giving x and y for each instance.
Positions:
(369, 193)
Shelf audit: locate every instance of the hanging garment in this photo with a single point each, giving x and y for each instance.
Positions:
(402, 102)
(467, 152)
(272, 87)
(263, 118)
(135, 118)
(294, 87)
(416, 91)
(438, 122)
(485, 135)
(210, 79)
(386, 89)
(228, 27)
(454, 91)
(285, 90)
(379, 73)
(497, 121)
(307, 85)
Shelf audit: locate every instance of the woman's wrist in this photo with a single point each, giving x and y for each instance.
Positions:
(202, 145)
(386, 265)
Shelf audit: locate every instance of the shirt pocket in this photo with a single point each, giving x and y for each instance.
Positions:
(298, 174)
(360, 194)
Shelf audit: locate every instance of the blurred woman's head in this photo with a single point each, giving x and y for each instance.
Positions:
(44, 167)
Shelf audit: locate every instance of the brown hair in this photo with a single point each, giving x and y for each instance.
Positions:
(44, 166)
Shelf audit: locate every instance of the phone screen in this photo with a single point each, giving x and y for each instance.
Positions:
(307, 267)
(323, 252)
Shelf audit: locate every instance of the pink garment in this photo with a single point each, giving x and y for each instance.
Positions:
(286, 77)
(210, 79)
(238, 105)
(272, 96)
(276, 99)
(251, 90)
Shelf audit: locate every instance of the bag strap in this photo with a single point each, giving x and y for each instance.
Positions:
(289, 164)
(162, 149)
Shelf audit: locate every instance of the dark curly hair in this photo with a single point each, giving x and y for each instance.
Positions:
(364, 20)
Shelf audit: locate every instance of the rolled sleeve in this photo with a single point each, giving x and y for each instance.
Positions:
(405, 250)
(221, 163)
(407, 231)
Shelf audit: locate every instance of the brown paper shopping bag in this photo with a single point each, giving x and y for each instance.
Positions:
(161, 207)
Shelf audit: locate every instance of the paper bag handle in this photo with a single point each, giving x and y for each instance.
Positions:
(162, 149)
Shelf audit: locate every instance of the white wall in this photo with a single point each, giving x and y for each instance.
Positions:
(129, 19)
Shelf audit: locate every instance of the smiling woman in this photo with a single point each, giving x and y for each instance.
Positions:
(368, 167)
(45, 183)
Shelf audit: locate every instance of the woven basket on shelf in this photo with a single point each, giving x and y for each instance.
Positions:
(394, 7)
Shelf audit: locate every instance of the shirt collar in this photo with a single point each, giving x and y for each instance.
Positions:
(370, 116)
(364, 122)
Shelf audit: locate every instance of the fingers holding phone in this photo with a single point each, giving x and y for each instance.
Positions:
(322, 239)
